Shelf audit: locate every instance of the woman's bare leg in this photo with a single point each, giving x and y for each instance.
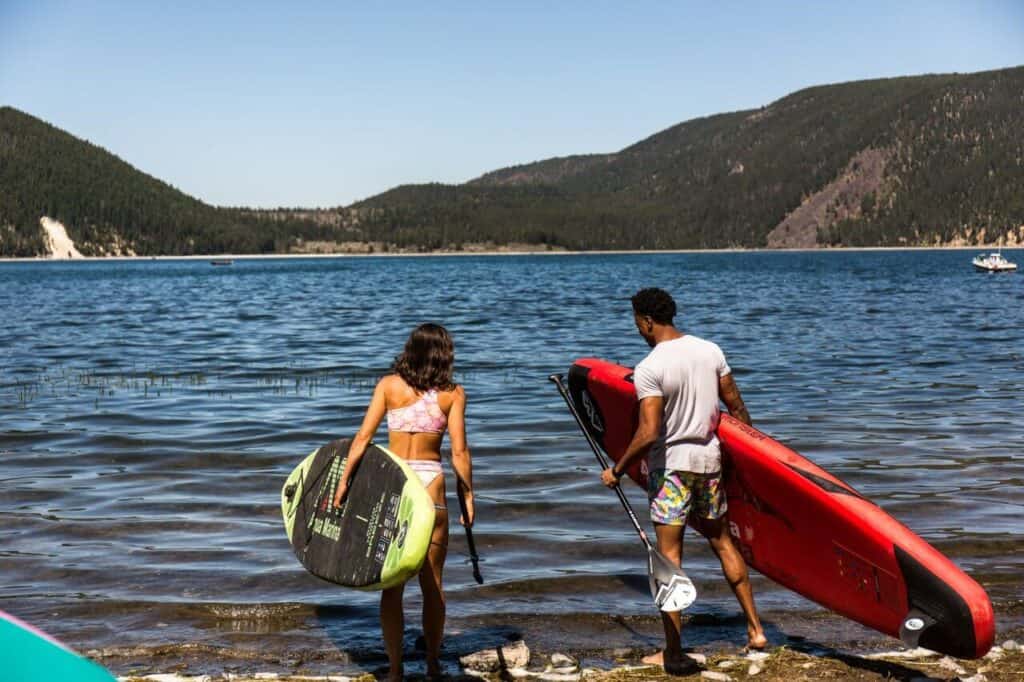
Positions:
(431, 581)
(392, 624)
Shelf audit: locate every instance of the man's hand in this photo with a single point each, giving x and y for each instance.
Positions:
(609, 478)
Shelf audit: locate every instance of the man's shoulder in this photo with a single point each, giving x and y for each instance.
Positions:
(690, 344)
(650, 361)
(679, 352)
(685, 343)
(660, 359)
(702, 342)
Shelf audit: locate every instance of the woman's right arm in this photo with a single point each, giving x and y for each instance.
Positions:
(374, 415)
(461, 461)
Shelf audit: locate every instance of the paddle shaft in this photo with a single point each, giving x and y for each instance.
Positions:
(557, 380)
(469, 533)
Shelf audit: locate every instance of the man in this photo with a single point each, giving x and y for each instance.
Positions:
(679, 385)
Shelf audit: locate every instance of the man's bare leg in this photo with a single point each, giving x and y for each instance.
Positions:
(735, 569)
(670, 544)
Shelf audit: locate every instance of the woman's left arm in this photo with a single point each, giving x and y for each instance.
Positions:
(374, 415)
(461, 461)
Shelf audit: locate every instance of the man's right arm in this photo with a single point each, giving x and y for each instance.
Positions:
(646, 435)
(729, 392)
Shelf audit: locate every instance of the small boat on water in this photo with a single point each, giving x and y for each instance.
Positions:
(993, 262)
(221, 261)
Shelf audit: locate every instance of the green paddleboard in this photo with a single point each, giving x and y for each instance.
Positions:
(378, 538)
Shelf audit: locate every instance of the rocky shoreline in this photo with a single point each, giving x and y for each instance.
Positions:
(497, 251)
(515, 661)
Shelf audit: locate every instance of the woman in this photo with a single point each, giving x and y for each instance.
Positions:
(420, 401)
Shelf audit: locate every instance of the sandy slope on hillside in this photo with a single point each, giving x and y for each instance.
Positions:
(57, 239)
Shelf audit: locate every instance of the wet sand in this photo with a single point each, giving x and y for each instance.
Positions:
(609, 649)
(784, 664)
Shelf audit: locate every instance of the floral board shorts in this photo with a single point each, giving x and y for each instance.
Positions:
(674, 494)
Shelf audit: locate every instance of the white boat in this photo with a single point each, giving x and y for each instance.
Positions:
(993, 262)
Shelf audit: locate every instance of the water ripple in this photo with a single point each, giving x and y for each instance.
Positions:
(152, 409)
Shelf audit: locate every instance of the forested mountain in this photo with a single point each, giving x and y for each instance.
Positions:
(919, 160)
(109, 207)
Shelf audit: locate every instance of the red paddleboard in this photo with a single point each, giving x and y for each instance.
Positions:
(809, 531)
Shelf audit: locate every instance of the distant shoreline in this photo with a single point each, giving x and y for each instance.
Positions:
(493, 253)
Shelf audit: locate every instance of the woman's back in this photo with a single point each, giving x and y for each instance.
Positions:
(416, 420)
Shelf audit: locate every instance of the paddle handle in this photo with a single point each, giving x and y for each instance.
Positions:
(557, 380)
(469, 534)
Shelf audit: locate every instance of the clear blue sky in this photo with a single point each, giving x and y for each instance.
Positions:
(321, 104)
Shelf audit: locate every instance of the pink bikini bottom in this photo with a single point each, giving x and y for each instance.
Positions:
(426, 469)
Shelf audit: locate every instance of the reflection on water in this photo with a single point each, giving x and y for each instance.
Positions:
(151, 411)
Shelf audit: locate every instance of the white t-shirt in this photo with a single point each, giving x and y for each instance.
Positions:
(685, 372)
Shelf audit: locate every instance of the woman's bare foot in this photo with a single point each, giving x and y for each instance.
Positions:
(756, 641)
(434, 670)
(671, 662)
(396, 674)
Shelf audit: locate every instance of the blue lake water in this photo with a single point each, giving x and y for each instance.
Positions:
(150, 411)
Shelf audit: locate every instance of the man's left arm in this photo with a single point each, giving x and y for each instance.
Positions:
(646, 435)
(729, 392)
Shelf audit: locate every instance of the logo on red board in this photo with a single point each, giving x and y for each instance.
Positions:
(591, 410)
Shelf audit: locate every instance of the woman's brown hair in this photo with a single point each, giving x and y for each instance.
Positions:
(428, 358)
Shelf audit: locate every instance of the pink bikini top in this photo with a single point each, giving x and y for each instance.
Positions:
(423, 416)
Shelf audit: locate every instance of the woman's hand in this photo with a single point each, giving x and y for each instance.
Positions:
(374, 413)
(339, 494)
(468, 512)
(609, 478)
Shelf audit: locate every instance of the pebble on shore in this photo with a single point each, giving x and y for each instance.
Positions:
(505, 657)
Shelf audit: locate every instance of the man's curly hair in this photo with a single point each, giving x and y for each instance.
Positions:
(654, 303)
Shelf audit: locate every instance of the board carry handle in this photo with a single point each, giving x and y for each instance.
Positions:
(557, 380)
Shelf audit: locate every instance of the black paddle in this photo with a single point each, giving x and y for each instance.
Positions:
(671, 589)
(469, 533)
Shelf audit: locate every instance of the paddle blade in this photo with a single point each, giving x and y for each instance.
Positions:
(671, 589)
